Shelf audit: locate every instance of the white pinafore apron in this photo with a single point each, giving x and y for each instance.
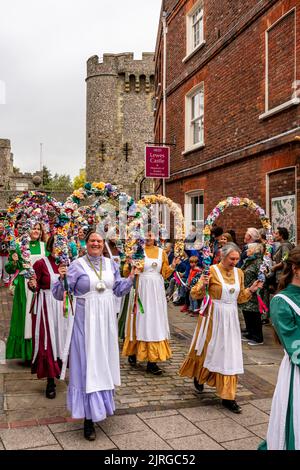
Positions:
(224, 351)
(101, 332)
(29, 295)
(153, 325)
(276, 429)
(117, 259)
(58, 324)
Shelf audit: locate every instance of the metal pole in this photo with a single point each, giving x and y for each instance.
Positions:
(165, 30)
(41, 163)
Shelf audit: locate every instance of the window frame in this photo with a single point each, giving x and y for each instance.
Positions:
(191, 47)
(190, 120)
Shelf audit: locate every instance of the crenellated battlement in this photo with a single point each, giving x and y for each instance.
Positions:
(133, 71)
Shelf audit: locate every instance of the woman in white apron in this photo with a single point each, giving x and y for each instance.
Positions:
(147, 326)
(19, 342)
(215, 356)
(284, 425)
(49, 326)
(94, 363)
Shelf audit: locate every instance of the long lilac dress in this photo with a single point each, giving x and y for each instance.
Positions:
(96, 405)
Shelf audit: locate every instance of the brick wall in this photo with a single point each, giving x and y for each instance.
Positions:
(281, 60)
(243, 179)
(232, 67)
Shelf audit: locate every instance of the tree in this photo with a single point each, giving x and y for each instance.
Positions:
(60, 183)
(80, 180)
(47, 177)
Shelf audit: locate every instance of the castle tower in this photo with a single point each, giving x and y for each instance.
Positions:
(5, 163)
(119, 120)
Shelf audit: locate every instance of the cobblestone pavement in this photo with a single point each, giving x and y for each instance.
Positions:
(167, 409)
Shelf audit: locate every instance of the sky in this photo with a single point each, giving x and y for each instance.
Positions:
(44, 46)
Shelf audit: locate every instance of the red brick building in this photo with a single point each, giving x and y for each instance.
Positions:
(232, 106)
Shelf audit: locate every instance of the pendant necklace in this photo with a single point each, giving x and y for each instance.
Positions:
(100, 286)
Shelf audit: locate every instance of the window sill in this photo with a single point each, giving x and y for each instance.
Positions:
(281, 107)
(187, 57)
(193, 149)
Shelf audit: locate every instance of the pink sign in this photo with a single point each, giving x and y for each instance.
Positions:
(157, 162)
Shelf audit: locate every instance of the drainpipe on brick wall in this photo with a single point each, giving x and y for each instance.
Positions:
(165, 30)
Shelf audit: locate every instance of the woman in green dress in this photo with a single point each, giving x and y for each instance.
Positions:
(19, 342)
(284, 425)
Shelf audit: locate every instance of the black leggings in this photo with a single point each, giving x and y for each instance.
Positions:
(253, 325)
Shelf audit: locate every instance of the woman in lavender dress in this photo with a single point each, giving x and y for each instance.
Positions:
(94, 363)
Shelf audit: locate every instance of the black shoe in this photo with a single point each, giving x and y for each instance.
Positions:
(50, 389)
(153, 368)
(179, 302)
(232, 405)
(244, 331)
(132, 360)
(198, 386)
(89, 430)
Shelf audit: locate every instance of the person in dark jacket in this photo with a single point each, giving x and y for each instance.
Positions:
(252, 316)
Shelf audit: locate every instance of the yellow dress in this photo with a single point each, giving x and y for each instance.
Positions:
(152, 351)
(193, 365)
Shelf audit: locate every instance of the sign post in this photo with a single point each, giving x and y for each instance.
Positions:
(157, 162)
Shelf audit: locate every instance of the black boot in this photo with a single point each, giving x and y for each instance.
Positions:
(50, 389)
(89, 430)
(153, 368)
(132, 360)
(198, 387)
(232, 405)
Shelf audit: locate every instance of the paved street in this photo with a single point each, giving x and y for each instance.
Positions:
(153, 413)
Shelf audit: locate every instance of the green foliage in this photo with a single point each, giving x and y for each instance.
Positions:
(56, 182)
(80, 180)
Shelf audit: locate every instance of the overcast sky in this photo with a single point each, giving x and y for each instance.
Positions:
(44, 46)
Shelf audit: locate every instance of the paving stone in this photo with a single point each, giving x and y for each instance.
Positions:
(33, 401)
(55, 447)
(172, 426)
(157, 414)
(260, 430)
(18, 386)
(250, 415)
(197, 442)
(146, 440)
(264, 404)
(63, 427)
(201, 413)
(24, 438)
(36, 413)
(225, 429)
(249, 443)
(114, 425)
(74, 440)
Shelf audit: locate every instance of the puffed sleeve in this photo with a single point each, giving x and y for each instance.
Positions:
(245, 293)
(38, 269)
(284, 322)
(198, 291)
(121, 285)
(12, 267)
(75, 270)
(166, 269)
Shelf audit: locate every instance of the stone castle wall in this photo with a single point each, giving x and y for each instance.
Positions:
(120, 92)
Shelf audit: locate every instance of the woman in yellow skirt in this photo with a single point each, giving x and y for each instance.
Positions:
(215, 356)
(147, 328)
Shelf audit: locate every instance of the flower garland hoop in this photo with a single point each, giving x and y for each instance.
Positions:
(103, 193)
(36, 206)
(135, 241)
(215, 213)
